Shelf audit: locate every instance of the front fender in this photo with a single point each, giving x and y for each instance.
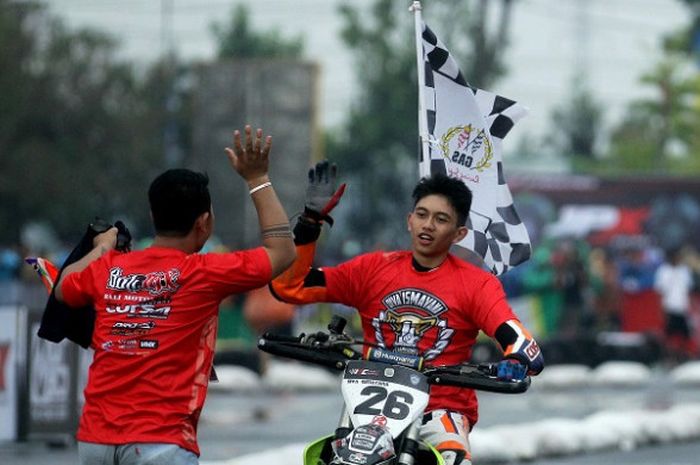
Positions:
(313, 453)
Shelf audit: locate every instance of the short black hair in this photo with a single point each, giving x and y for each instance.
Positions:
(177, 197)
(456, 192)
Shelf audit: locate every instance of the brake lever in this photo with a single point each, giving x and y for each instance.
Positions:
(335, 342)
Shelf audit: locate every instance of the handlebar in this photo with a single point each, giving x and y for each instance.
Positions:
(294, 347)
(335, 349)
(480, 376)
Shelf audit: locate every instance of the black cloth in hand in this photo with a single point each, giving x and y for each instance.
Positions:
(59, 321)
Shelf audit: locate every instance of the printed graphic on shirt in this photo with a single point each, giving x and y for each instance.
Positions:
(158, 309)
(410, 316)
(156, 282)
(130, 345)
(132, 328)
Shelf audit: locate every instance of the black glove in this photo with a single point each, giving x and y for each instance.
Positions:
(60, 321)
(321, 193)
(518, 344)
(321, 198)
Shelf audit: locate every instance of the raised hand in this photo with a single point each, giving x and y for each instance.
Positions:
(250, 159)
(321, 193)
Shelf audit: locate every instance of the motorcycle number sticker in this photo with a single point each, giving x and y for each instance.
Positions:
(397, 404)
(369, 393)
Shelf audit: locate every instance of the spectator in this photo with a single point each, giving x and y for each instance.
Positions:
(10, 263)
(604, 291)
(572, 278)
(674, 281)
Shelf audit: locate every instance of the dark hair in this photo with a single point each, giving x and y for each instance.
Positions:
(177, 198)
(456, 192)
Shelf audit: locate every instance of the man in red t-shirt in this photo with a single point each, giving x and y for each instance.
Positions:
(156, 313)
(423, 302)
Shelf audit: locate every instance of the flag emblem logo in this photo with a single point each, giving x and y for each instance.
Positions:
(467, 146)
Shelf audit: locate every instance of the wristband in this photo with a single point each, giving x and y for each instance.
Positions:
(260, 187)
(306, 231)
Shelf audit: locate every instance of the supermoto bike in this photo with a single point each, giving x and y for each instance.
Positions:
(385, 394)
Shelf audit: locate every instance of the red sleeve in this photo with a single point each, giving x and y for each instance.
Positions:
(237, 272)
(340, 284)
(345, 282)
(491, 307)
(79, 288)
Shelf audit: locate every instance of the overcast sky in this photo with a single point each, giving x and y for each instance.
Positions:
(551, 40)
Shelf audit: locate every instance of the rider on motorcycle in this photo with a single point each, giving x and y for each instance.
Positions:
(423, 302)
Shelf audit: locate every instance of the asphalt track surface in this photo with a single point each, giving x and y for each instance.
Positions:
(235, 424)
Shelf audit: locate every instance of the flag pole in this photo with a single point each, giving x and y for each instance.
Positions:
(423, 136)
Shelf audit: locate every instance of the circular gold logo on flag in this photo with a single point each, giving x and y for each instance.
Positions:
(467, 146)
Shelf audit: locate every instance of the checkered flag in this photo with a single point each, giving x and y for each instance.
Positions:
(466, 127)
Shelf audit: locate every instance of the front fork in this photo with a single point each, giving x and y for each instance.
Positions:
(410, 443)
(344, 427)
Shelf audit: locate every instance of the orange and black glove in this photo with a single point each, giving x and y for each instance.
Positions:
(519, 346)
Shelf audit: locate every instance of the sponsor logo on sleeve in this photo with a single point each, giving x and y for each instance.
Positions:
(532, 350)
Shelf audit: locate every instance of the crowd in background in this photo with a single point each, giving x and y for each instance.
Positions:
(571, 288)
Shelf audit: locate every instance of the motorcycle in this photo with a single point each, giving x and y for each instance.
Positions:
(385, 394)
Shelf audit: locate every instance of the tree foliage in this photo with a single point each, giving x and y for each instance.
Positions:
(72, 132)
(577, 124)
(377, 146)
(82, 133)
(238, 39)
(659, 134)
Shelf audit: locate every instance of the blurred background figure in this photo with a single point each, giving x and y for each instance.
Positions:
(640, 309)
(10, 263)
(570, 259)
(604, 292)
(264, 313)
(539, 279)
(674, 282)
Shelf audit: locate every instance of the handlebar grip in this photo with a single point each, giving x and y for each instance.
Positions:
(281, 337)
(304, 354)
(478, 380)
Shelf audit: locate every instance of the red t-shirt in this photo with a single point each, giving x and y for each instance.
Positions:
(155, 329)
(436, 313)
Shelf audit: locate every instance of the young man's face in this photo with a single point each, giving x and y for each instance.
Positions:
(433, 227)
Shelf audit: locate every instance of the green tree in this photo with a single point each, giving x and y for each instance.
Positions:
(377, 146)
(81, 133)
(70, 147)
(687, 39)
(576, 126)
(237, 39)
(659, 134)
